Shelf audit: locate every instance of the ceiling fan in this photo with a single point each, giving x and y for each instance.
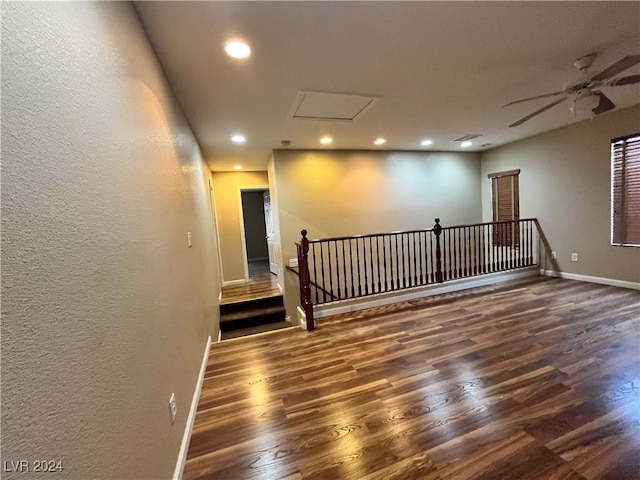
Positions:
(586, 97)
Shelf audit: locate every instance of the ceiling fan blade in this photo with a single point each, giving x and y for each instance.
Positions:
(605, 104)
(534, 98)
(537, 112)
(628, 80)
(618, 67)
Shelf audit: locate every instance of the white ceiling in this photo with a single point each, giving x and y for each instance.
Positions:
(439, 70)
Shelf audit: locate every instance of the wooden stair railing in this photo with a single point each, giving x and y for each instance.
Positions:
(341, 268)
(305, 280)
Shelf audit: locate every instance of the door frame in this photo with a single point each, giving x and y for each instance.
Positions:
(246, 188)
(214, 215)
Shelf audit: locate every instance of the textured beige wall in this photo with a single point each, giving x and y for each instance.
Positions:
(226, 186)
(105, 310)
(351, 193)
(565, 181)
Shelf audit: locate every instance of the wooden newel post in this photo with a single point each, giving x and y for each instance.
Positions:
(305, 280)
(437, 229)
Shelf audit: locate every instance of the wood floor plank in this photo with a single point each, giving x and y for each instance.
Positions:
(533, 379)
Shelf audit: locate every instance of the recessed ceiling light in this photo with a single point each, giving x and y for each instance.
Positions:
(237, 167)
(379, 141)
(237, 49)
(238, 138)
(326, 140)
(466, 144)
(424, 143)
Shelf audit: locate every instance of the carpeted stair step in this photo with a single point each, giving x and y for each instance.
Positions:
(251, 313)
(251, 304)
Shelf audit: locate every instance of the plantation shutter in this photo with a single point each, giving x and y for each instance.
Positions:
(625, 190)
(506, 206)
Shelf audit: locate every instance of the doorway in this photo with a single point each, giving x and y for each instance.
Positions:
(257, 233)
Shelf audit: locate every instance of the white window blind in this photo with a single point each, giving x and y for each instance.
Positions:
(625, 190)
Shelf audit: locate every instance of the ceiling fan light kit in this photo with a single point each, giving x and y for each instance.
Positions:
(586, 100)
(584, 103)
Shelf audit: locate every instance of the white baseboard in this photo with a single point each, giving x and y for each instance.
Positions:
(182, 455)
(302, 318)
(353, 305)
(587, 278)
(234, 282)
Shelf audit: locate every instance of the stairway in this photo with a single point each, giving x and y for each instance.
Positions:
(256, 315)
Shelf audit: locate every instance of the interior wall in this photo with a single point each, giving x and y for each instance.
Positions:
(255, 229)
(336, 193)
(227, 187)
(565, 182)
(105, 309)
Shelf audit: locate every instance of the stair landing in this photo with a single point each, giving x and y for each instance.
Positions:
(261, 284)
(253, 307)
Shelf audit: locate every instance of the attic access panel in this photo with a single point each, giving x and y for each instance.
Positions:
(329, 106)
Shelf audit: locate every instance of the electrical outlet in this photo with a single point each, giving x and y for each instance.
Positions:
(554, 255)
(173, 408)
(293, 262)
(574, 257)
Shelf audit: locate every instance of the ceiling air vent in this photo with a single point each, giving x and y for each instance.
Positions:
(467, 137)
(486, 145)
(329, 106)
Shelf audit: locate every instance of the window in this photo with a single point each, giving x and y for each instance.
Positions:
(505, 202)
(625, 190)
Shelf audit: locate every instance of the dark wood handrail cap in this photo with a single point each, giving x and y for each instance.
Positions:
(304, 233)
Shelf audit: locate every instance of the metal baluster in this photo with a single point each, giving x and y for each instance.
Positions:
(378, 257)
(421, 259)
(415, 260)
(364, 258)
(344, 267)
(432, 278)
(330, 272)
(353, 282)
(391, 255)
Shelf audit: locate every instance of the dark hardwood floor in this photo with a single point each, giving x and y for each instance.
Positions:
(261, 284)
(538, 378)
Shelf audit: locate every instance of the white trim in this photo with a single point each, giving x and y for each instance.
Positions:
(346, 306)
(302, 317)
(279, 286)
(212, 195)
(588, 278)
(243, 238)
(233, 282)
(219, 335)
(182, 455)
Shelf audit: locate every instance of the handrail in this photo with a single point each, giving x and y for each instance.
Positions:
(368, 235)
(492, 223)
(314, 284)
(348, 267)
